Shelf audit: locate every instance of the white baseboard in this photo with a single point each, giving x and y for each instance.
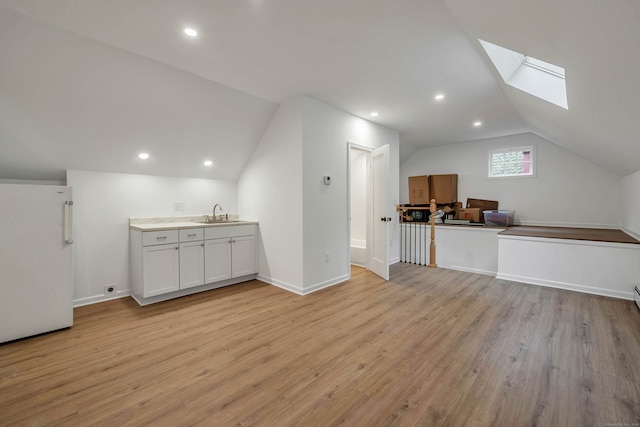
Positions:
(100, 298)
(465, 269)
(325, 284)
(394, 260)
(308, 289)
(280, 284)
(567, 286)
(631, 233)
(469, 270)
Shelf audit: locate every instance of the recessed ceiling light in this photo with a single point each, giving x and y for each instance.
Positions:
(374, 114)
(439, 97)
(477, 124)
(143, 156)
(207, 163)
(190, 32)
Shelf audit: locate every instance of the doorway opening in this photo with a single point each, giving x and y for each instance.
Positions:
(368, 217)
(360, 202)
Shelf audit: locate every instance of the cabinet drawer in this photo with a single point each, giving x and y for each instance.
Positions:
(150, 238)
(191, 234)
(230, 231)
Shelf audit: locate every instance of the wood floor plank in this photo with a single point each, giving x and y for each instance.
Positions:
(429, 347)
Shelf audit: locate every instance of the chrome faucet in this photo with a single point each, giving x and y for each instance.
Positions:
(214, 212)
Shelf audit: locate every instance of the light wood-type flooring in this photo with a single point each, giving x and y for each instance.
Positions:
(430, 347)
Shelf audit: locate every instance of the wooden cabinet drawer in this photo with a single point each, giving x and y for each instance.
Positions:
(229, 231)
(150, 238)
(191, 234)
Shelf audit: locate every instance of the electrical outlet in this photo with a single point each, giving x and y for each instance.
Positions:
(179, 206)
(111, 289)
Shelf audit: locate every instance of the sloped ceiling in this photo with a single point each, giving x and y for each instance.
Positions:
(359, 56)
(69, 102)
(214, 95)
(598, 44)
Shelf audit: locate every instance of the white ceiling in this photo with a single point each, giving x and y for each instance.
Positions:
(387, 56)
(598, 44)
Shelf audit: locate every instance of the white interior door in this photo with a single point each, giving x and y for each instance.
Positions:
(379, 260)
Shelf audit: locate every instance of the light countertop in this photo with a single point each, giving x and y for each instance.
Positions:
(176, 223)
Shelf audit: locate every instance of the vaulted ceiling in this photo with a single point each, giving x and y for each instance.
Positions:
(598, 44)
(85, 84)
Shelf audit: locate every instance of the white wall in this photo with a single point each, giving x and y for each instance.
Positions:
(103, 203)
(600, 268)
(300, 217)
(326, 132)
(567, 189)
(270, 191)
(472, 249)
(71, 102)
(631, 204)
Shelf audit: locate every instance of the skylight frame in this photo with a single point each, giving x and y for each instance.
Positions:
(528, 74)
(541, 65)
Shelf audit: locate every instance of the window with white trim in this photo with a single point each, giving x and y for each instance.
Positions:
(509, 162)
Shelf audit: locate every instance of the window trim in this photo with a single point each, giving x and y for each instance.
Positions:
(531, 148)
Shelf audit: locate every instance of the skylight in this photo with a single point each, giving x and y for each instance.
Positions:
(534, 76)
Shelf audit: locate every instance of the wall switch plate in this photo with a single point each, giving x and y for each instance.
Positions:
(111, 289)
(179, 206)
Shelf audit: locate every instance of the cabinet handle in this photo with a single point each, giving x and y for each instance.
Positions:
(177, 248)
(161, 238)
(202, 244)
(191, 235)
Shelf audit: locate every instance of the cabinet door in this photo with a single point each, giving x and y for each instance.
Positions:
(243, 259)
(160, 269)
(191, 264)
(217, 260)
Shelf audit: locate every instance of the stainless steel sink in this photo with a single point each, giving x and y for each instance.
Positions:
(224, 221)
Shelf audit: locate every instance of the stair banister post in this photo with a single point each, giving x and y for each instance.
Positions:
(432, 247)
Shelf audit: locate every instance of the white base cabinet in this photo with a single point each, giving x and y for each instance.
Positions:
(191, 264)
(217, 255)
(161, 265)
(172, 263)
(191, 257)
(230, 257)
(243, 255)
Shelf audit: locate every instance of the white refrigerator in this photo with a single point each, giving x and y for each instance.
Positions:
(36, 271)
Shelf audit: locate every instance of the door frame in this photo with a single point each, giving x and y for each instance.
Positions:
(370, 208)
(369, 218)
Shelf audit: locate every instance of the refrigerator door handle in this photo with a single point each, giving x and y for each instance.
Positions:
(68, 222)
